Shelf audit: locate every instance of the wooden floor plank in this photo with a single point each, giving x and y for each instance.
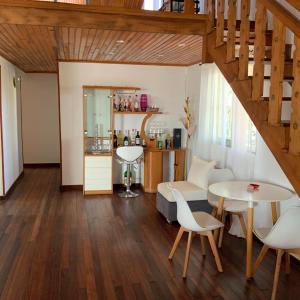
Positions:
(57, 245)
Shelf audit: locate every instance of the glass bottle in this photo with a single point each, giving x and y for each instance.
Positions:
(137, 139)
(120, 138)
(126, 141)
(115, 139)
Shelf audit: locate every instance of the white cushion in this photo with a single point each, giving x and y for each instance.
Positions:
(189, 191)
(199, 172)
(130, 153)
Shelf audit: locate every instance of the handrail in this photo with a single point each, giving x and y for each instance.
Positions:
(284, 16)
(294, 3)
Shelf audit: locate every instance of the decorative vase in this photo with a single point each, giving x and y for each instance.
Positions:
(144, 102)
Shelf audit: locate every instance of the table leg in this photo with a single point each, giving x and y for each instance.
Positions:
(274, 212)
(249, 241)
(219, 216)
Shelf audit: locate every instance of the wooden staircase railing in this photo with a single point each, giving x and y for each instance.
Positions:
(281, 137)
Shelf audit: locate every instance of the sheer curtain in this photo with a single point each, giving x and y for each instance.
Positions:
(223, 129)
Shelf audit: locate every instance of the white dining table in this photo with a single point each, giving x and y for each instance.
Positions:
(238, 190)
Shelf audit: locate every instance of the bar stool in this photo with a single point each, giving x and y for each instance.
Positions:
(129, 155)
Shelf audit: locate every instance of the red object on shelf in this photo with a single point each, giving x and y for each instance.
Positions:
(252, 187)
(144, 102)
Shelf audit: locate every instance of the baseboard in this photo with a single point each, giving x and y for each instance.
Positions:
(13, 186)
(65, 188)
(42, 165)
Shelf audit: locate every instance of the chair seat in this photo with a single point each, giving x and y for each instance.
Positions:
(231, 205)
(262, 233)
(206, 220)
(190, 191)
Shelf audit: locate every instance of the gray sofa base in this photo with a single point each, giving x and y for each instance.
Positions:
(169, 209)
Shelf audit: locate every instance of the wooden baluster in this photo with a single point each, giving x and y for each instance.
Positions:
(189, 6)
(231, 30)
(220, 23)
(259, 51)
(210, 10)
(277, 72)
(244, 40)
(295, 117)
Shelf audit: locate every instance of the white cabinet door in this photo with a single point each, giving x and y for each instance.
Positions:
(98, 173)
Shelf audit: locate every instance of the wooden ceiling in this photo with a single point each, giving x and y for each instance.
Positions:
(37, 48)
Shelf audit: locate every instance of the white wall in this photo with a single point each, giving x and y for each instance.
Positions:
(166, 86)
(12, 150)
(40, 118)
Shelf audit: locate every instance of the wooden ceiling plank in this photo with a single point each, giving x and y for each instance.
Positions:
(59, 14)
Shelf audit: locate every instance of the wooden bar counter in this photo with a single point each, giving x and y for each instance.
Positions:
(153, 167)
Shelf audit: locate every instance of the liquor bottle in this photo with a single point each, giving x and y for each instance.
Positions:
(120, 138)
(132, 137)
(126, 141)
(137, 139)
(115, 139)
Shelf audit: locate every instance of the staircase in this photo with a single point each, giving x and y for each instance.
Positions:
(272, 64)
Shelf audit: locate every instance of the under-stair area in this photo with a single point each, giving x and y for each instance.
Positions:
(261, 61)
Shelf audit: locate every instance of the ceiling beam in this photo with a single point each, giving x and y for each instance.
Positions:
(99, 17)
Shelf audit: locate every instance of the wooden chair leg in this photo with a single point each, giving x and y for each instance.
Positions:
(214, 212)
(260, 258)
(203, 251)
(176, 243)
(187, 254)
(276, 275)
(287, 263)
(222, 229)
(215, 251)
(243, 225)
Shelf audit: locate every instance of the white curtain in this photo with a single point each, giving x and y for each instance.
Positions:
(223, 129)
(223, 125)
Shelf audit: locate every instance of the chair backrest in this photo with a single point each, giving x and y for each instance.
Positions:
(285, 233)
(130, 153)
(184, 214)
(218, 175)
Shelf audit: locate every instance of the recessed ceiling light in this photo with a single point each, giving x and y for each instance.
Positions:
(120, 41)
(181, 45)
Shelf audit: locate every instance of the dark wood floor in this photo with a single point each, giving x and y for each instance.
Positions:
(57, 245)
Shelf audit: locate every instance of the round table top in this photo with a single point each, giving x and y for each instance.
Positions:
(237, 190)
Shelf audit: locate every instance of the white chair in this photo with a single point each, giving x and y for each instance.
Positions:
(231, 207)
(284, 237)
(129, 155)
(200, 223)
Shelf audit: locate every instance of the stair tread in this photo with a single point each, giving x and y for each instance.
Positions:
(286, 78)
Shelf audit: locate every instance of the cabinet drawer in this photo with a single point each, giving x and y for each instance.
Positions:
(98, 161)
(98, 185)
(98, 173)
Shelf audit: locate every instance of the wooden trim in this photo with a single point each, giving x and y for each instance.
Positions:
(42, 13)
(112, 62)
(101, 87)
(1, 134)
(41, 165)
(13, 186)
(294, 3)
(99, 192)
(42, 72)
(65, 188)
(284, 16)
(59, 123)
